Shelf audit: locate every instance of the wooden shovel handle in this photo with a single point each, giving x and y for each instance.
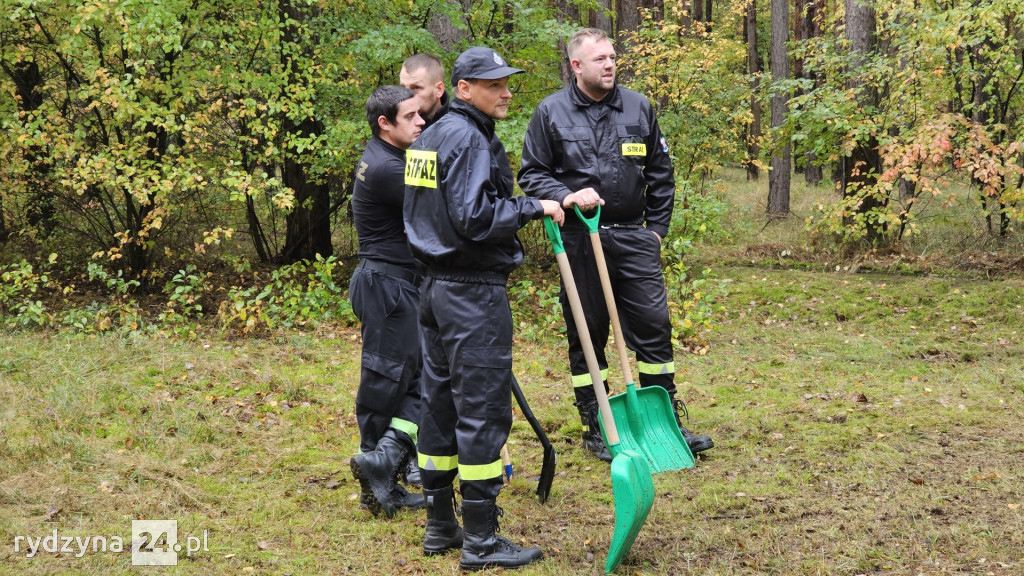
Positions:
(613, 312)
(584, 333)
(606, 286)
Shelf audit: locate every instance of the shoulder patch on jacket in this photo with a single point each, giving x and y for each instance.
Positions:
(421, 168)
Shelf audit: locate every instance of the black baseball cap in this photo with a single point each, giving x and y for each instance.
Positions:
(481, 63)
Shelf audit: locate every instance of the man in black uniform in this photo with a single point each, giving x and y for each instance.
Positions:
(424, 75)
(596, 142)
(462, 219)
(384, 296)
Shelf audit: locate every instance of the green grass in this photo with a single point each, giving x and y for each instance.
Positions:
(866, 412)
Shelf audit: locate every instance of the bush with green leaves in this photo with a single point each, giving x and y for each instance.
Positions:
(21, 288)
(297, 295)
(536, 312)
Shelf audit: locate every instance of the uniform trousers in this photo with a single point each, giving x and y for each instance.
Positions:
(389, 393)
(466, 331)
(633, 256)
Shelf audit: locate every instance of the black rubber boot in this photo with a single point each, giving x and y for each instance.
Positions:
(377, 473)
(443, 530)
(590, 416)
(483, 548)
(696, 442)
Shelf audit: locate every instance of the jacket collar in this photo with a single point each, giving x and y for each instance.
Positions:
(613, 98)
(395, 150)
(445, 103)
(484, 122)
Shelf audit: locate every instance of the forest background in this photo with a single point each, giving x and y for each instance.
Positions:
(197, 154)
(844, 271)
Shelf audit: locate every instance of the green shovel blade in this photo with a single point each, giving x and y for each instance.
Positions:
(633, 488)
(647, 426)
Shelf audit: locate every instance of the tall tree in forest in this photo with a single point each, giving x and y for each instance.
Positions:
(861, 167)
(629, 14)
(806, 25)
(601, 16)
(779, 177)
(566, 12)
(754, 70)
(40, 204)
(308, 224)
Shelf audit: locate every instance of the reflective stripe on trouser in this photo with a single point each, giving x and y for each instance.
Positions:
(634, 265)
(466, 330)
(388, 395)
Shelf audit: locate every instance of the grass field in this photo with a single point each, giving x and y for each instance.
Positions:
(866, 413)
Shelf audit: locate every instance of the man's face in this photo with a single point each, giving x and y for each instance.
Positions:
(594, 66)
(488, 96)
(428, 90)
(407, 127)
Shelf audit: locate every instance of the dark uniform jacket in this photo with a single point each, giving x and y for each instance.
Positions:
(613, 146)
(460, 214)
(377, 198)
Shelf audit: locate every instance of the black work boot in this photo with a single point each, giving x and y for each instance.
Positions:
(377, 473)
(410, 471)
(697, 443)
(483, 548)
(443, 530)
(399, 495)
(590, 416)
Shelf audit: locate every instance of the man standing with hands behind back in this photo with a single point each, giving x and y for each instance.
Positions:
(462, 219)
(384, 296)
(591, 143)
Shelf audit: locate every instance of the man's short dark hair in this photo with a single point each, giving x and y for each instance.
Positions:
(435, 70)
(384, 102)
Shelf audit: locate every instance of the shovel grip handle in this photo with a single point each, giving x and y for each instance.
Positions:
(554, 235)
(590, 223)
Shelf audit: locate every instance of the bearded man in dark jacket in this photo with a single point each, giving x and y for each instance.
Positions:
(595, 142)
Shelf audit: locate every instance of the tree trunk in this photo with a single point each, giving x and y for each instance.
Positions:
(629, 16)
(864, 163)
(779, 177)
(601, 17)
(308, 225)
(40, 206)
(981, 116)
(446, 33)
(807, 18)
(565, 11)
(754, 70)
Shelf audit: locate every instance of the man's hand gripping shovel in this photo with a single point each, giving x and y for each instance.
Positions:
(646, 419)
(632, 483)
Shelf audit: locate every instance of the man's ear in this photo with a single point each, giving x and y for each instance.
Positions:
(463, 89)
(439, 89)
(382, 121)
(575, 65)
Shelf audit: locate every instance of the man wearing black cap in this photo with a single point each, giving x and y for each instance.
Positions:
(461, 220)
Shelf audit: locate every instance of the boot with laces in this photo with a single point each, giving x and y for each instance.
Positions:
(482, 547)
(696, 442)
